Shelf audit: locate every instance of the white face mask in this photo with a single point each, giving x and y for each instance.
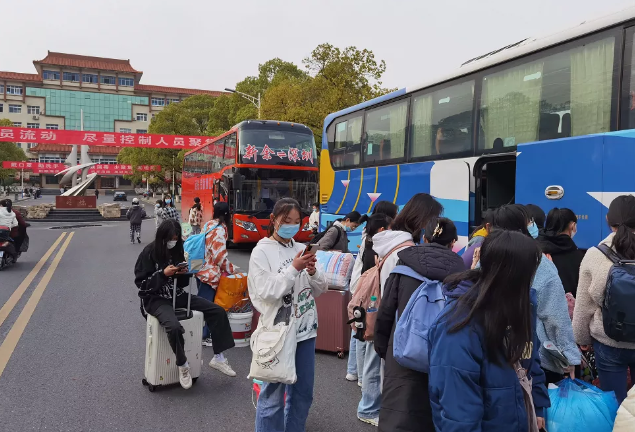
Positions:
(171, 244)
(574, 230)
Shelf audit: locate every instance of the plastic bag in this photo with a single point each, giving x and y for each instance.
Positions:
(337, 268)
(232, 291)
(578, 406)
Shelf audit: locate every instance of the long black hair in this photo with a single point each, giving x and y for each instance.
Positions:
(375, 223)
(353, 216)
(416, 214)
(441, 231)
(386, 207)
(221, 212)
(282, 208)
(499, 299)
(7, 203)
(168, 229)
(621, 216)
(511, 217)
(558, 220)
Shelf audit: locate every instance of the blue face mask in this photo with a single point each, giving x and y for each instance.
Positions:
(347, 228)
(533, 230)
(287, 231)
(168, 201)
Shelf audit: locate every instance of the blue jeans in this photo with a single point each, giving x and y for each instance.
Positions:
(272, 413)
(612, 364)
(370, 403)
(352, 365)
(208, 293)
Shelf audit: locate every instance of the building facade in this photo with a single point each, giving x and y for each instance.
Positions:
(107, 91)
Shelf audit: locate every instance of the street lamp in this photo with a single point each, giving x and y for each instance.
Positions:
(254, 100)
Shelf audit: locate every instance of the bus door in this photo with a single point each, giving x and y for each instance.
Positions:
(450, 185)
(494, 184)
(567, 173)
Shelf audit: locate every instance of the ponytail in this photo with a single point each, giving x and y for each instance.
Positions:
(621, 216)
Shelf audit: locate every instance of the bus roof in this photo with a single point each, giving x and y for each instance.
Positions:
(502, 55)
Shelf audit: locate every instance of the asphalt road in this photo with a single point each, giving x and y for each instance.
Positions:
(72, 349)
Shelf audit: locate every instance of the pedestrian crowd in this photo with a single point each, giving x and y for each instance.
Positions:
(521, 309)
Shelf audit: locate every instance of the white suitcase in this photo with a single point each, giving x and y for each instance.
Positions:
(160, 363)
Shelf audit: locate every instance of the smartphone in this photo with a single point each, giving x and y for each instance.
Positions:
(183, 264)
(311, 249)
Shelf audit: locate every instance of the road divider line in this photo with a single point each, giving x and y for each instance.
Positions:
(12, 339)
(19, 292)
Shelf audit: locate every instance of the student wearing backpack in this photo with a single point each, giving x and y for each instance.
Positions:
(406, 231)
(216, 263)
(405, 400)
(335, 237)
(612, 357)
(282, 280)
(557, 241)
(476, 381)
(355, 364)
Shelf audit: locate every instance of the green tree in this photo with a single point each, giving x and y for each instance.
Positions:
(9, 152)
(189, 117)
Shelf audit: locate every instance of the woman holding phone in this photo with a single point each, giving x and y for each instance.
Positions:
(158, 266)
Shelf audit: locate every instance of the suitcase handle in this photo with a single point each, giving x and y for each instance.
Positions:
(189, 292)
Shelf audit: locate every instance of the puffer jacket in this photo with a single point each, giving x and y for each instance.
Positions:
(470, 392)
(625, 420)
(405, 401)
(8, 218)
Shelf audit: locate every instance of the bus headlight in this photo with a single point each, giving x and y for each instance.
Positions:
(249, 226)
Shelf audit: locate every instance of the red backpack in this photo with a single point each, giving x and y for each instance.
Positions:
(369, 285)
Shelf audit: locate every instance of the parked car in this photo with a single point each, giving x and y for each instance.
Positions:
(120, 196)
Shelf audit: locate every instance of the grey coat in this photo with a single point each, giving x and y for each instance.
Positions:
(330, 240)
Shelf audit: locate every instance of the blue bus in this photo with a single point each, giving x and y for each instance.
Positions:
(547, 121)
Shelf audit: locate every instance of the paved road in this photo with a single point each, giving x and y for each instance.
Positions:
(72, 349)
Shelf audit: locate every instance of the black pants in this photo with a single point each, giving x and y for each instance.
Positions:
(214, 315)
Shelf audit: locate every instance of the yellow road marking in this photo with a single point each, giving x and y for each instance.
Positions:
(12, 339)
(19, 292)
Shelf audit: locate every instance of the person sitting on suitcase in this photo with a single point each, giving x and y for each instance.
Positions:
(155, 270)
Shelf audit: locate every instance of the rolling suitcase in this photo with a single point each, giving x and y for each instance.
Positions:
(333, 335)
(160, 363)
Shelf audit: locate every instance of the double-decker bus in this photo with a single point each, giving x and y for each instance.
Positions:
(250, 167)
(547, 121)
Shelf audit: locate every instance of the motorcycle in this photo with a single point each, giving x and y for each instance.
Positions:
(8, 252)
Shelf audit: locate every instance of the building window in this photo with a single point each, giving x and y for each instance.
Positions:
(71, 76)
(142, 117)
(17, 124)
(51, 75)
(2, 89)
(89, 78)
(110, 80)
(33, 109)
(15, 109)
(158, 101)
(14, 90)
(1, 107)
(33, 125)
(124, 182)
(126, 82)
(52, 126)
(173, 101)
(125, 130)
(30, 145)
(142, 131)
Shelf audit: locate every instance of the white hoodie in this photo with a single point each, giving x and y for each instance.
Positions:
(7, 218)
(383, 243)
(271, 276)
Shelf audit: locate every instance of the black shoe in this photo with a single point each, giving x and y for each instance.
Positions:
(139, 240)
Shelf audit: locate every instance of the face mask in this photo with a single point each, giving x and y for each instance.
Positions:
(168, 201)
(171, 244)
(315, 210)
(347, 228)
(533, 230)
(287, 231)
(574, 231)
(157, 206)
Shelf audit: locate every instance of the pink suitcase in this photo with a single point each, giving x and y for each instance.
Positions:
(333, 333)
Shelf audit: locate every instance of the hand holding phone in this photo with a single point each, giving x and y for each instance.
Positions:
(311, 249)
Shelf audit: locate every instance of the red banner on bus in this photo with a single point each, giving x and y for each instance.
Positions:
(70, 137)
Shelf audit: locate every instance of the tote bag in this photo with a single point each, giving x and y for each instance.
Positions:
(273, 353)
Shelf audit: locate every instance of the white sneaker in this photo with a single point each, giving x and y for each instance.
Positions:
(207, 342)
(223, 366)
(370, 421)
(359, 383)
(351, 377)
(184, 377)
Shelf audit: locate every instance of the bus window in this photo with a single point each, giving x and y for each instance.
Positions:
(385, 132)
(565, 94)
(230, 150)
(628, 110)
(442, 121)
(348, 138)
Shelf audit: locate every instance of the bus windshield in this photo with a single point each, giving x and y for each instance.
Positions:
(279, 147)
(261, 188)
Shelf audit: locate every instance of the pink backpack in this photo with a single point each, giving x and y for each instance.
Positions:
(370, 285)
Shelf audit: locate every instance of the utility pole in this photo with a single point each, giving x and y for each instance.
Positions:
(254, 100)
(173, 185)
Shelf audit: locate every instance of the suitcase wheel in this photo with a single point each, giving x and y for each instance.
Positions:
(340, 354)
(194, 380)
(151, 388)
(144, 382)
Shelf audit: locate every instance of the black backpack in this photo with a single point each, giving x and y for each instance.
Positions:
(319, 236)
(618, 310)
